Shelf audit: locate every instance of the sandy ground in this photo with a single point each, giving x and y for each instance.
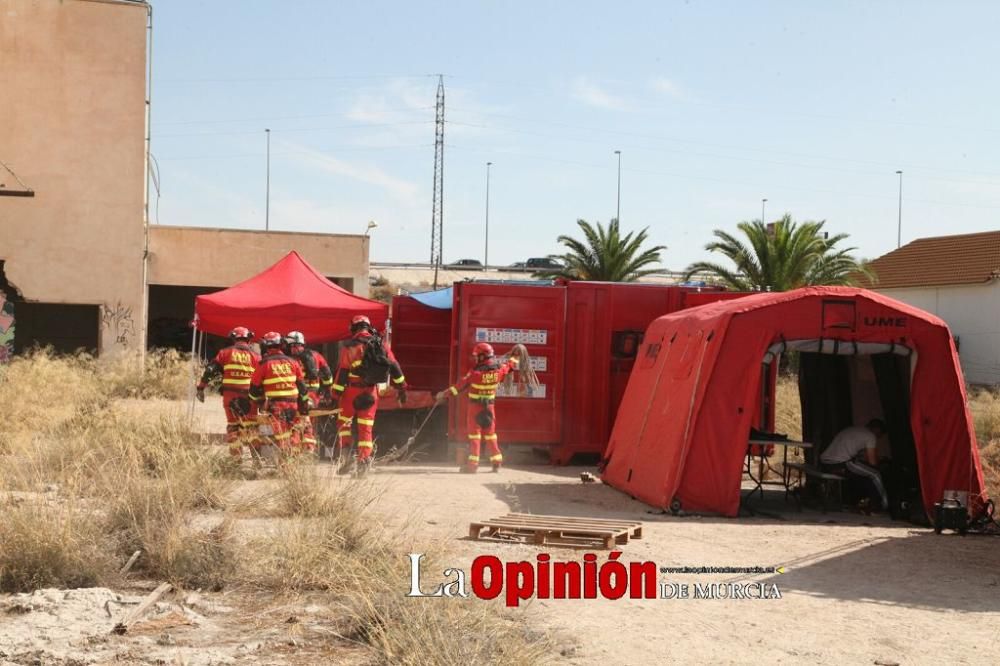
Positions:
(856, 590)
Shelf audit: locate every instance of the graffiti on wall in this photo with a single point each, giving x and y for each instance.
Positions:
(6, 328)
(117, 322)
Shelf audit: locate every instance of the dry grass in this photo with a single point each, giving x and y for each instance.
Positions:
(985, 406)
(85, 482)
(787, 410)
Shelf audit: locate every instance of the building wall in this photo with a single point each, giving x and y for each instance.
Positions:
(190, 256)
(973, 314)
(72, 118)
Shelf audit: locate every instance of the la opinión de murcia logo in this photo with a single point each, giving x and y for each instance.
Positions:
(491, 578)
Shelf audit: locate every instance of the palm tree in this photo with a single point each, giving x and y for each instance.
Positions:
(605, 255)
(787, 256)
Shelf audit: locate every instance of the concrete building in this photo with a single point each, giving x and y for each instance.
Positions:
(72, 120)
(73, 92)
(956, 278)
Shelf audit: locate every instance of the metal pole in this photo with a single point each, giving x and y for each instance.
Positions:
(194, 365)
(486, 252)
(899, 227)
(618, 213)
(144, 316)
(763, 202)
(267, 186)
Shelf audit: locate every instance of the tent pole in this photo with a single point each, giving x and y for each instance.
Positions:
(194, 366)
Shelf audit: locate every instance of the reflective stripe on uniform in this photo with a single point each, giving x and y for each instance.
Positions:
(368, 422)
(328, 382)
(355, 364)
(454, 391)
(486, 387)
(282, 435)
(490, 437)
(365, 445)
(236, 381)
(337, 387)
(496, 458)
(239, 366)
(473, 458)
(289, 379)
(475, 436)
(399, 380)
(281, 394)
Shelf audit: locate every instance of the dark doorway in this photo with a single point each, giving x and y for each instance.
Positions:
(65, 328)
(171, 309)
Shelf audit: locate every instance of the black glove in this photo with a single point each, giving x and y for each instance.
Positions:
(200, 393)
(401, 396)
(304, 406)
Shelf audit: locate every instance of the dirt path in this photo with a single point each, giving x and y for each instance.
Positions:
(858, 591)
(855, 591)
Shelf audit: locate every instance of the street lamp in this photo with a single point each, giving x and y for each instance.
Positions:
(899, 227)
(486, 251)
(372, 224)
(267, 184)
(618, 214)
(763, 203)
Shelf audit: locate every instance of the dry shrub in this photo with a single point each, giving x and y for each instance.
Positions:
(166, 374)
(444, 632)
(990, 457)
(787, 408)
(28, 385)
(45, 543)
(985, 408)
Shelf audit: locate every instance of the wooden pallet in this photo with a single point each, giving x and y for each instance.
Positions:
(556, 530)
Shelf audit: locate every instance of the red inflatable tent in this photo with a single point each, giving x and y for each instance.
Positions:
(290, 295)
(700, 382)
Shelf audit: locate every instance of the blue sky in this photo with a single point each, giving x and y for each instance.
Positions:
(714, 105)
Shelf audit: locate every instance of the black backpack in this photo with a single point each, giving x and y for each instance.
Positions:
(375, 363)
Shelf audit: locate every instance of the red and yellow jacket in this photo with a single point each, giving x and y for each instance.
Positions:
(482, 380)
(351, 353)
(323, 375)
(237, 364)
(278, 379)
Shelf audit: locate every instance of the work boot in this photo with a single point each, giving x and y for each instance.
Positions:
(346, 466)
(496, 468)
(363, 468)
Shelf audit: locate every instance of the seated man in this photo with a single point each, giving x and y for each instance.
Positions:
(853, 453)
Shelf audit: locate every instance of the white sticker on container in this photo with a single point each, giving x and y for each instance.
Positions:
(515, 390)
(513, 336)
(539, 363)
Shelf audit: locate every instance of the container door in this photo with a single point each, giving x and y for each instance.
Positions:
(505, 315)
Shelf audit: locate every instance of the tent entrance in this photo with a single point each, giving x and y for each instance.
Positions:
(844, 384)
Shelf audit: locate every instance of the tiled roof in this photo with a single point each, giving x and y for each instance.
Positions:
(940, 261)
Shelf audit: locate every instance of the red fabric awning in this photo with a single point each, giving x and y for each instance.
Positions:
(291, 295)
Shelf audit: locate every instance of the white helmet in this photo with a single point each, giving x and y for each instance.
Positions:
(295, 338)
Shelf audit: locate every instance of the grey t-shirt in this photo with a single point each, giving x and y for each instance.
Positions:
(848, 443)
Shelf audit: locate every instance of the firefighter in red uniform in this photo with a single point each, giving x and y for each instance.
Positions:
(236, 363)
(279, 381)
(481, 421)
(318, 378)
(357, 393)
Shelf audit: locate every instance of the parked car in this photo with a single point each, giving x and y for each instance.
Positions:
(543, 263)
(516, 266)
(466, 263)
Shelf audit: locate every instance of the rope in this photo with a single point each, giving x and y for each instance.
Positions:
(527, 380)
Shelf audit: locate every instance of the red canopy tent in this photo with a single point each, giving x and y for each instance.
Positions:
(290, 295)
(701, 376)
